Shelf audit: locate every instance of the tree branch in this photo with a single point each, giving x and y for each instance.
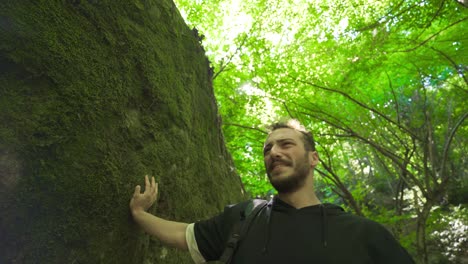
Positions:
(287, 110)
(448, 142)
(223, 64)
(397, 108)
(378, 23)
(247, 127)
(433, 36)
(361, 105)
(441, 6)
(454, 64)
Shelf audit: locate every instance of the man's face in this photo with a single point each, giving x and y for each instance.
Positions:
(287, 163)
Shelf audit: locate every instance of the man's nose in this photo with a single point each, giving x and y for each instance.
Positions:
(275, 151)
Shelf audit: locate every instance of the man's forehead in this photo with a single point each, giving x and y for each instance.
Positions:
(282, 134)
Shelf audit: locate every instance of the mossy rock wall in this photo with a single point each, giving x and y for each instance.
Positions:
(93, 96)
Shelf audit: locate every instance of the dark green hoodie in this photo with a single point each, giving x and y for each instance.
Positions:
(316, 234)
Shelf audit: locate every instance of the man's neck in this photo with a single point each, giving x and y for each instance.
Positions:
(301, 198)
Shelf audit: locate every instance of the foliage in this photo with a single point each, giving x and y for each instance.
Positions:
(381, 83)
(448, 228)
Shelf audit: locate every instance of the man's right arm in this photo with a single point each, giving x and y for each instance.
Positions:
(169, 232)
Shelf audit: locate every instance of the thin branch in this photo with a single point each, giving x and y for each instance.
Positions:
(454, 64)
(448, 142)
(429, 148)
(441, 6)
(386, 16)
(347, 195)
(327, 176)
(287, 110)
(247, 127)
(337, 123)
(463, 3)
(353, 134)
(397, 108)
(361, 105)
(433, 36)
(334, 135)
(224, 64)
(388, 153)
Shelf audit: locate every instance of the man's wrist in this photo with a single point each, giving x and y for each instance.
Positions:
(138, 212)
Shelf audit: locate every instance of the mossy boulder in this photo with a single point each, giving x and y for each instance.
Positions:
(93, 96)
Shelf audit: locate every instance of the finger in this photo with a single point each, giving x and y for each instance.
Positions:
(153, 183)
(137, 190)
(147, 183)
(155, 193)
(155, 189)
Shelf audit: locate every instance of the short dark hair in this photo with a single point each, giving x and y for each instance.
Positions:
(307, 138)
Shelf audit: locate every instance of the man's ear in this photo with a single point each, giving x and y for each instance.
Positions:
(314, 158)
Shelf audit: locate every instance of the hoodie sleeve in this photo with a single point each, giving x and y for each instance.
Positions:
(383, 247)
(212, 234)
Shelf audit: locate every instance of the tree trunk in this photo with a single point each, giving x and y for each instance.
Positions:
(421, 232)
(93, 96)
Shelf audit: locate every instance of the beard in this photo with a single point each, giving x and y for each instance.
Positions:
(291, 183)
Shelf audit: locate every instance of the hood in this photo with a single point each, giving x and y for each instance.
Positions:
(331, 209)
(323, 210)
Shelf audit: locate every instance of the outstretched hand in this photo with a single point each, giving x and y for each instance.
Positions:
(140, 202)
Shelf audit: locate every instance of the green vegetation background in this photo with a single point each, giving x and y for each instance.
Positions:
(383, 86)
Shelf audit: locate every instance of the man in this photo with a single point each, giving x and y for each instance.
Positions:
(295, 227)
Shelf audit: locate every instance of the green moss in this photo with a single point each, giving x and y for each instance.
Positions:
(94, 95)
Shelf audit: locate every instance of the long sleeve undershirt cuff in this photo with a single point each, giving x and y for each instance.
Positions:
(192, 244)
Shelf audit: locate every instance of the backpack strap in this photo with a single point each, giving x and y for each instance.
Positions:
(240, 228)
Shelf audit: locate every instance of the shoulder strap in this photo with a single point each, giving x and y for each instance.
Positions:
(240, 228)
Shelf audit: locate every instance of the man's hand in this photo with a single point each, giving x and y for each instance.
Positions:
(140, 202)
(169, 232)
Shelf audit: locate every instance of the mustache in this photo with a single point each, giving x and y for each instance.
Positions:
(277, 162)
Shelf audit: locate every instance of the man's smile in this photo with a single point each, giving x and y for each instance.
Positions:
(279, 164)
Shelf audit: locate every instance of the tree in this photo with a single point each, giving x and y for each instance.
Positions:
(382, 84)
(93, 96)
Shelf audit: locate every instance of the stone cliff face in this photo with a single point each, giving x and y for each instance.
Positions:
(93, 96)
